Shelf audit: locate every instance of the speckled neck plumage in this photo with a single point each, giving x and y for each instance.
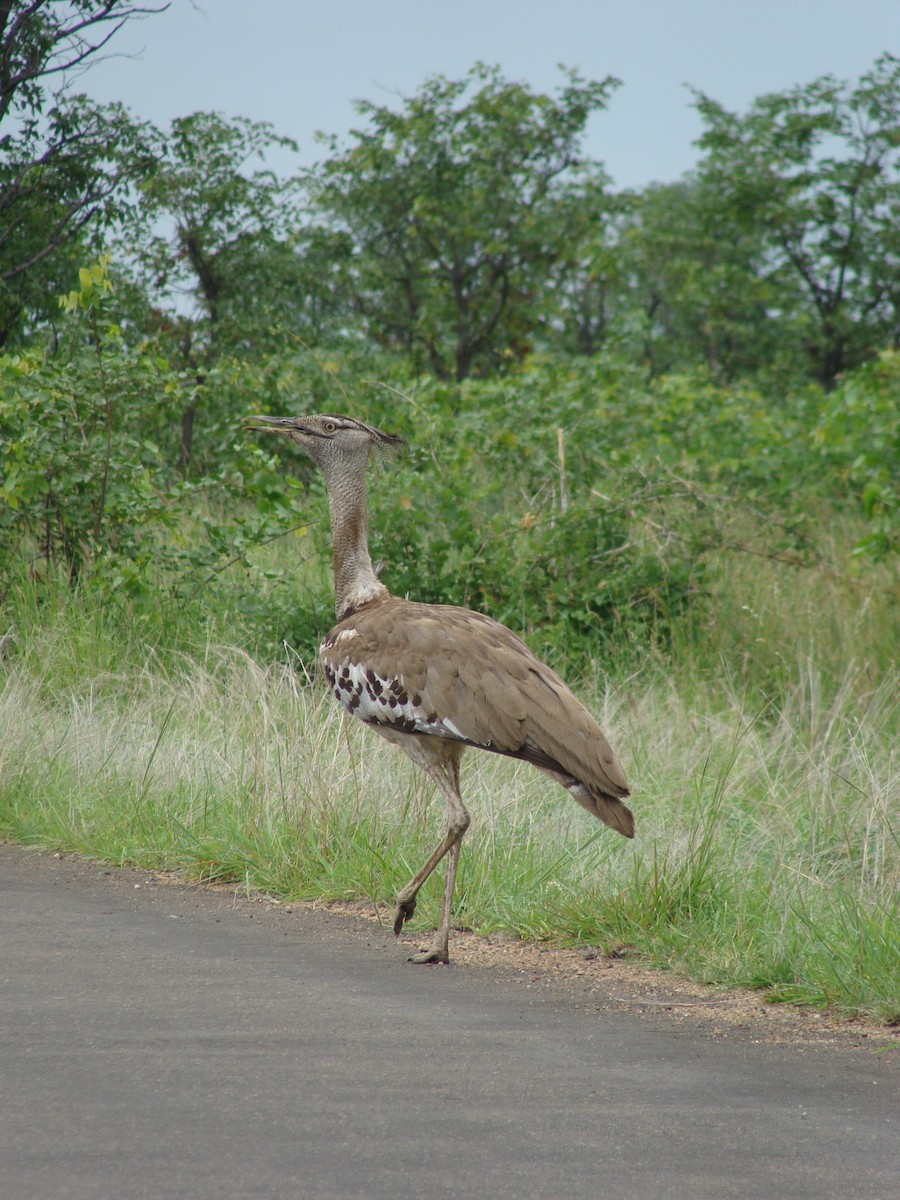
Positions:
(355, 581)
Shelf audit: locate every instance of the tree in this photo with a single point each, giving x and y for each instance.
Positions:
(815, 171)
(88, 486)
(458, 211)
(209, 225)
(213, 231)
(589, 282)
(693, 285)
(63, 159)
(79, 468)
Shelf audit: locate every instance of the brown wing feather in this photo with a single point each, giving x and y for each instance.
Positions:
(484, 683)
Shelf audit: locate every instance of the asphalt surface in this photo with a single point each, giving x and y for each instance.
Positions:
(160, 1041)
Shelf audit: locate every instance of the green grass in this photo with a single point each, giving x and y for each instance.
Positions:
(765, 790)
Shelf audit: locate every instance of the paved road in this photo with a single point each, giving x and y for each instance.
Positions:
(167, 1042)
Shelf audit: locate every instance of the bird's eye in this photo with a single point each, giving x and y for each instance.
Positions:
(329, 427)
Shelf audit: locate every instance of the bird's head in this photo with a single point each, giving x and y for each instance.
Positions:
(328, 438)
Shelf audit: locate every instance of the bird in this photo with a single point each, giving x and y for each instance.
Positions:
(435, 679)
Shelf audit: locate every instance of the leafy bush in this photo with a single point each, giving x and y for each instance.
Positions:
(573, 500)
(90, 480)
(82, 478)
(544, 525)
(858, 434)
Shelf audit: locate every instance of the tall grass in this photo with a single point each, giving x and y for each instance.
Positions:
(766, 793)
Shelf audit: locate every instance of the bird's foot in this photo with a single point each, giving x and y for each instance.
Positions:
(404, 910)
(434, 954)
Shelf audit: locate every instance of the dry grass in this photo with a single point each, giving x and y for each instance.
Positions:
(766, 856)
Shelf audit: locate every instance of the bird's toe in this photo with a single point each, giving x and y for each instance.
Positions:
(404, 910)
(433, 955)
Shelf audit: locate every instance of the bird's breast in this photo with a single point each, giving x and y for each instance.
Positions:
(376, 697)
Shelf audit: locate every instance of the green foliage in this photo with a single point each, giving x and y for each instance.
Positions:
(567, 578)
(66, 163)
(89, 479)
(689, 284)
(460, 232)
(813, 173)
(455, 207)
(212, 228)
(859, 436)
(575, 503)
(77, 478)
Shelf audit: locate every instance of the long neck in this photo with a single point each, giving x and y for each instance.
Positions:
(355, 581)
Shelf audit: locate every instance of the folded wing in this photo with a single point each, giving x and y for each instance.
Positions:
(441, 671)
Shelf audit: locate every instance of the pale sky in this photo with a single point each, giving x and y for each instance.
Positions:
(299, 64)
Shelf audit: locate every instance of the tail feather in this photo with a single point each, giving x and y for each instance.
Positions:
(608, 809)
(615, 814)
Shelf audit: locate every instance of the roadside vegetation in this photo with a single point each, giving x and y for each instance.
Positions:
(671, 463)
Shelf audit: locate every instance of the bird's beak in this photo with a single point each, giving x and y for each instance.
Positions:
(284, 425)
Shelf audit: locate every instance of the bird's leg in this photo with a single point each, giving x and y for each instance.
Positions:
(446, 776)
(439, 950)
(406, 899)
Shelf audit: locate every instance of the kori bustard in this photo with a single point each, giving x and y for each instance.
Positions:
(435, 679)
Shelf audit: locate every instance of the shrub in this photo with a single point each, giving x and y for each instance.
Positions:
(90, 480)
